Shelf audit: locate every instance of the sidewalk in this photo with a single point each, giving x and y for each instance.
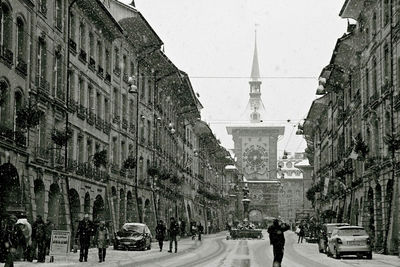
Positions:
(310, 250)
(116, 258)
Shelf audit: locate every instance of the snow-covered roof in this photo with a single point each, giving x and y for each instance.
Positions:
(303, 163)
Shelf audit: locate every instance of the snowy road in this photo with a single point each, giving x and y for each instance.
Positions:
(216, 251)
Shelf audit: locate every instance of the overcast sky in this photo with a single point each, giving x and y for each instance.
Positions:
(213, 41)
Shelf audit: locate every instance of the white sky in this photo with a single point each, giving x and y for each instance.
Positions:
(215, 38)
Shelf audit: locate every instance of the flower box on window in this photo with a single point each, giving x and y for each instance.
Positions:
(108, 78)
(72, 46)
(91, 117)
(92, 64)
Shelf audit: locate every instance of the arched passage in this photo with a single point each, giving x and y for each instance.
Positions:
(86, 205)
(75, 209)
(121, 207)
(10, 189)
(355, 215)
(130, 208)
(148, 214)
(98, 209)
(38, 188)
(369, 209)
(378, 213)
(189, 211)
(388, 200)
(140, 207)
(54, 205)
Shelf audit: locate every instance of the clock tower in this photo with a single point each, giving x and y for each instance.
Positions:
(255, 147)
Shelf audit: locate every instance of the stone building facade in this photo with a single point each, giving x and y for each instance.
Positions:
(96, 119)
(353, 146)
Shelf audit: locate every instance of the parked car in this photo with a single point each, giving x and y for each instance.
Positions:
(350, 240)
(325, 233)
(133, 236)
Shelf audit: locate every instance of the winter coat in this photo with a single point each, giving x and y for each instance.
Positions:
(26, 229)
(276, 235)
(160, 231)
(85, 230)
(102, 237)
(173, 228)
(39, 231)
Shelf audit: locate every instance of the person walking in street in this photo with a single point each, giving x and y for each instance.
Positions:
(11, 237)
(277, 240)
(183, 228)
(102, 239)
(39, 235)
(200, 230)
(301, 233)
(173, 232)
(193, 230)
(160, 233)
(84, 232)
(26, 229)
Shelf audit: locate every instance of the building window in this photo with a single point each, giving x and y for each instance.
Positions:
(42, 142)
(124, 105)
(123, 151)
(42, 60)
(91, 98)
(374, 24)
(99, 53)
(108, 62)
(21, 47)
(116, 102)
(59, 14)
(82, 36)
(81, 89)
(117, 69)
(124, 65)
(386, 12)
(374, 77)
(98, 106)
(386, 59)
(149, 131)
(81, 149)
(71, 77)
(366, 85)
(115, 150)
(106, 110)
(91, 45)
(131, 112)
(58, 88)
(4, 100)
(73, 26)
(6, 30)
(132, 68)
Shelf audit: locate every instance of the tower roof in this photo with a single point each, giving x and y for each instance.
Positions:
(255, 69)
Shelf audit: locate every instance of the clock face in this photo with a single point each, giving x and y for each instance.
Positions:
(255, 158)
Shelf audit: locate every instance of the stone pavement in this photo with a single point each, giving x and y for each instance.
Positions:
(119, 257)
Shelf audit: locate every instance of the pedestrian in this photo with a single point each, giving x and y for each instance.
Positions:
(193, 230)
(85, 230)
(160, 233)
(173, 232)
(183, 228)
(26, 230)
(301, 233)
(11, 237)
(277, 240)
(39, 235)
(200, 230)
(102, 239)
(49, 229)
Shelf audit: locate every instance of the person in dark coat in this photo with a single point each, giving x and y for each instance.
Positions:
(301, 233)
(49, 229)
(101, 240)
(200, 230)
(39, 235)
(183, 228)
(173, 232)
(11, 237)
(277, 240)
(83, 233)
(160, 233)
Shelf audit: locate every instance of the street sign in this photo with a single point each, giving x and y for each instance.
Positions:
(60, 243)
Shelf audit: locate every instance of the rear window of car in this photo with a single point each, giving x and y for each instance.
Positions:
(133, 228)
(331, 227)
(351, 232)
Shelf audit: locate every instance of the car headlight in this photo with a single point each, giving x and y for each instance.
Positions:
(339, 241)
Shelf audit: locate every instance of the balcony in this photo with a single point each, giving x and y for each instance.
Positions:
(99, 123)
(87, 170)
(100, 72)
(107, 127)
(82, 112)
(108, 78)
(22, 67)
(42, 85)
(42, 153)
(83, 56)
(91, 117)
(117, 71)
(92, 64)
(72, 46)
(72, 105)
(125, 123)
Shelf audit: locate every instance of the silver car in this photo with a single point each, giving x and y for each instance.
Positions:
(349, 240)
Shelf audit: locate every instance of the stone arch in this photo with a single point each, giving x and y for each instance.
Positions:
(140, 207)
(369, 212)
(130, 208)
(11, 197)
(86, 204)
(54, 205)
(121, 207)
(115, 201)
(355, 214)
(388, 199)
(98, 209)
(39, 190)
(75, 209)
(378, 216)
(189, 211)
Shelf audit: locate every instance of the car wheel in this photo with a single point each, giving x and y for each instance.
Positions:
(115, 247)
(149, 246)
(369, 255)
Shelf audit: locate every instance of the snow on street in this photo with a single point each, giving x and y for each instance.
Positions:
(216, 251)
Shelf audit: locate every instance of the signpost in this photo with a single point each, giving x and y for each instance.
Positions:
(60, 243)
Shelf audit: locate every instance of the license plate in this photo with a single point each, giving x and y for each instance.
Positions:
(356, 243)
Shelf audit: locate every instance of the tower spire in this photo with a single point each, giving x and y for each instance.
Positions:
(255, 70)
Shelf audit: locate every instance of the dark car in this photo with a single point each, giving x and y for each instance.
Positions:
(325, 233)
(133, 236)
